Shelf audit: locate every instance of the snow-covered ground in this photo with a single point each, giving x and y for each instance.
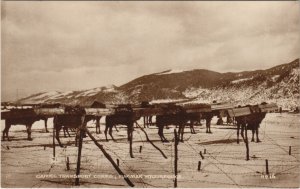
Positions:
(241, 80)
(169, 72)
(29, 163)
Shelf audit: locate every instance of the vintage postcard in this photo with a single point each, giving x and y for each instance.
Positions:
(150, 94)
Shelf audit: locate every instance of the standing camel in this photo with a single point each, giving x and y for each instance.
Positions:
(125, 116)
(21, 117)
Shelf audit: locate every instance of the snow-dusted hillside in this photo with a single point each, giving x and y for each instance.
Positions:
(279, 84)
(83, 97)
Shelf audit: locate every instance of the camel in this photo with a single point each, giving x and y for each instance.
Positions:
(19, 121)
(88, 118)
(96, 104)
(208, 117)
(254, 121)
(177, 116)
(147, 119)
(74, 120)
(193, 118)
(251, 122)
(29, 117)
(125, 116)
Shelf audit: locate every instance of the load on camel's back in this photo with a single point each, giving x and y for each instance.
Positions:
(250, 117)
(24, 117)
(124, 115)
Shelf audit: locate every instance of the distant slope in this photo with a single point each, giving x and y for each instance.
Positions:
(278, 84)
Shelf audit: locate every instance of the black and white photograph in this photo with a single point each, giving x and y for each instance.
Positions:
(150, 94)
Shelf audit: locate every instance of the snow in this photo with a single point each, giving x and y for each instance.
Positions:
(275, 77)
(224, 165)
(45, 95)
(90, 92)
(194, 92)
(111, 89)
(60, 95)
(295, 75)
(94, 91)
(241, 80)
(165, 101)
(279, 94)
(170, 72)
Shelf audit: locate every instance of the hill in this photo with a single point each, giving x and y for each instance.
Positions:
(278, 84)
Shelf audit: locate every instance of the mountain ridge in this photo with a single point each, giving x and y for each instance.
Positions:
(278, 84)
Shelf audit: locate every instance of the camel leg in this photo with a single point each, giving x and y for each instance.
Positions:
(208, 122)
(6, 130)
(159, 133)
(116, 128)
(182, 131)
(192, 127)
(64, 130)
(144, 120)
(105, 131)
(98, 130)
(57, 136)
(253, 132)
(242, 130)
(208, 126)
(257, 139)
(150, 120)
(67, 130)
(130, 136)
(46, 119)
(110, 132)
(238, 133)
(179, 132)
(147, 121)
(163, 136)
(28, 128)
(4, 133)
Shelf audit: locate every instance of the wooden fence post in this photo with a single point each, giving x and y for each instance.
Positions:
(141, 149)
(53, 141)
(201, 155)
(290, 150)
(176, 157)
(79, 157)
(199, 165)
(246, 141)
(267, 167)
(68, 164)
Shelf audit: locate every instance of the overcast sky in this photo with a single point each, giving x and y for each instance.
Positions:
(76, 45)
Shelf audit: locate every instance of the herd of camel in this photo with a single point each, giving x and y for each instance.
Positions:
(124, 116)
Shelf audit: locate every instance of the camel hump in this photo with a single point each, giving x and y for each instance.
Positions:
(124, 109)
(97, 104)
(54, 105)
(74, 110)
(145, 104)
